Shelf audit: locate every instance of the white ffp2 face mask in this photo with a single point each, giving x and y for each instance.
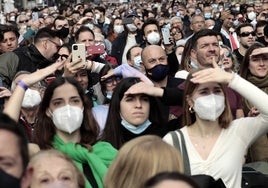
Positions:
(68, 118)
(118, 29)
(209, 107)
(31, 98)
(153, 38)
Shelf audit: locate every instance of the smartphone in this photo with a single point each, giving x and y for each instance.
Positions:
(95, 49)
(128, 20)
(79, 51)
(35, 16)
(166, 35)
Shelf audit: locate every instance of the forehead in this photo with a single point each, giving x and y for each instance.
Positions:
(61, 22)
(245, 29)
(9, 34)
(65, 91)
(150, 27)
(85, 35)
(12, 146)
(23, 17)
(210, 85)
(197, 18)
(59, 165)
(136, 50)
(153, 52)
(63, 50)
(117, 21)
(206, 40)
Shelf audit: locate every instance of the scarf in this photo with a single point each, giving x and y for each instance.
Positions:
(98, 159)
(261, 83)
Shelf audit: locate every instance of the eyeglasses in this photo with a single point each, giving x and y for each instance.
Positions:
(23, 21)
(112, 79)
(61, 56)
(56, 44)
(246, 34)
(174, 33)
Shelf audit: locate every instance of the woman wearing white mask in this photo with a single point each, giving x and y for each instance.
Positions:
(65, 122)
(215, 144)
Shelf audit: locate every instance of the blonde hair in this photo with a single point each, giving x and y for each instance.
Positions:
(47, 154)
(140, 159)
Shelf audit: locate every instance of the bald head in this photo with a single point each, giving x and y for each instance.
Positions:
(152, 55)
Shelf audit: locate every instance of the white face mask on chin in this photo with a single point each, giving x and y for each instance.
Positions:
(209, 107)
(68, 118)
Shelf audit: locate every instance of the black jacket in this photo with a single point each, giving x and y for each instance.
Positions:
(26, 58)
(119, 45)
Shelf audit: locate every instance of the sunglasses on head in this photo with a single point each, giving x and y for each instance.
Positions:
(246, 34)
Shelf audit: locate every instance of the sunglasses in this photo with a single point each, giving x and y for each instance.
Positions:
(61, 56)
(227, 54)
(112, 79)
(174, 33)
(246, 34)
(23, 21)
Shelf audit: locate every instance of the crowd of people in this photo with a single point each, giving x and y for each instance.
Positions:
(144, 94)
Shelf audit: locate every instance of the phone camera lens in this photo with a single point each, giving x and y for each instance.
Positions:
(75, 47)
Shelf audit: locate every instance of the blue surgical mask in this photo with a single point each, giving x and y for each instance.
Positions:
(109, 94)
(135, 129)
(137, 62)
(207, 15)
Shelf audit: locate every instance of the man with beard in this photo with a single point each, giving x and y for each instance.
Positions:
(246, 37)
(227, 26)
(30, 58)
(61, 25)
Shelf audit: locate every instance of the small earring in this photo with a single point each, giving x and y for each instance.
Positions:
(191, 110)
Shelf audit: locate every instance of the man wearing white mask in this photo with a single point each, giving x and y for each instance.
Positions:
(101, 20)
(129, 37)
(151, 35)
(30, 104)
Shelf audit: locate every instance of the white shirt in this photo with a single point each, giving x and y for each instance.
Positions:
(226, 157)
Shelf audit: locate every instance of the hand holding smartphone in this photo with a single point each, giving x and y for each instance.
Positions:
(79, 51)
(166, 35)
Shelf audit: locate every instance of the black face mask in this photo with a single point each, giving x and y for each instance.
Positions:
(63, 32)
(158, 72)
(8, 181)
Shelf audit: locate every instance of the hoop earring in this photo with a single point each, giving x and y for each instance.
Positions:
(191, 110)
